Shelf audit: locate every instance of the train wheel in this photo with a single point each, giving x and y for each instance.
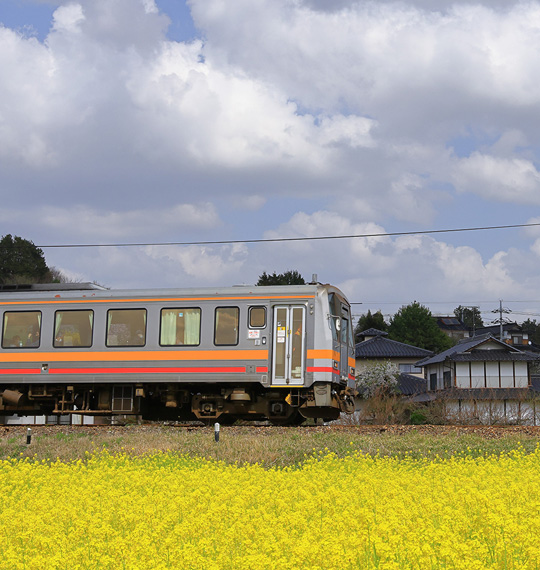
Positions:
(295, 418)
(226, 419)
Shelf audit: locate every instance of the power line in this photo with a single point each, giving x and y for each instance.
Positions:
(274, 240)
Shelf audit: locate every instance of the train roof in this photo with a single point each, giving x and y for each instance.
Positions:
(50, 287)
(86, 290)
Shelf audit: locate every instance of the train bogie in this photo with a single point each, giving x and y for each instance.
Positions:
(252, 353)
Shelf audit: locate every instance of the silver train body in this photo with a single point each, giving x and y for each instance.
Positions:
(254, 353)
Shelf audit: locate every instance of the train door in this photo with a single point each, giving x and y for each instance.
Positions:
(345, 344)
(342, 332)
(288, 361)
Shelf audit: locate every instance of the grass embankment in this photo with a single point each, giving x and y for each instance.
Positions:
(268, 446)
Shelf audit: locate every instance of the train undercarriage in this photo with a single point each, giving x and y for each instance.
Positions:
(207, 403)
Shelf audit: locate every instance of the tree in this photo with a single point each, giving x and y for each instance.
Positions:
(378, 379)
(532, 328)
(21, 261)
(414, 324)
(369, 321)
(469, 316)
(291, 277)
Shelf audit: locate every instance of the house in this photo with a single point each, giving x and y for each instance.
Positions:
(376, 347)
(453, 327)
(512, 333)
(483, 379)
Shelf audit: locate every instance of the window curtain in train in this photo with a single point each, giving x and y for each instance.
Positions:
(192, 326)
(88, 336)
(58, 322)
(6, 321)
(168, 327)
(112, 340)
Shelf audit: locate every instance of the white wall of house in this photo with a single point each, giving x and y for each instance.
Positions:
(493, 412)
(492, 375)
(481, 374)
(438, 370)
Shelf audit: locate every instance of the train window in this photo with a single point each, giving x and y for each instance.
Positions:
(334, 315)
(226, 326)
(73, 328)
(126, 327)
(21, 329)
(257, 317)
(180, 327)
(345, 332)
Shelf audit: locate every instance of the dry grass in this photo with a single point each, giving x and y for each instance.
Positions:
(270, 446)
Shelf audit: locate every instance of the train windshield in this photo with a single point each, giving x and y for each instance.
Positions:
(346, 332)
(339, 320)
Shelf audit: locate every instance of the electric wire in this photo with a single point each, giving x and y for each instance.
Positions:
(289, 239)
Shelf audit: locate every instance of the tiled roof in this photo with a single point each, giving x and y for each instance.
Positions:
(493, 356)
(380, 347)
(450, 323)
(410, 385)
(494, 329)
(463, 351)
(373, 332)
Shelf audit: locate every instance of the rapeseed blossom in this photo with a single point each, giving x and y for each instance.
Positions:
(171, 511)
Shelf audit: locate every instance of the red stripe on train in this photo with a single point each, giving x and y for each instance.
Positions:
(322, 369)
(21, 371)
(223, 370)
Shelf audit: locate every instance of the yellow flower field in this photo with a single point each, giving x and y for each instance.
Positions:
(171, 511)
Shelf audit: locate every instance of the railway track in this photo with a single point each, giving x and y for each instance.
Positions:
(483, 431)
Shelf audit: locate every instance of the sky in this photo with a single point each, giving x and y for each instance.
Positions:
(159, 121)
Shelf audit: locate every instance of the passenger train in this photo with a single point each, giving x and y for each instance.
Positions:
(277, 353)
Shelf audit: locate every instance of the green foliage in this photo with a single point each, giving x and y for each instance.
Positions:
(21, 261)
(418, 418)
(370, 321)
(413, 324)
(291, 277)
(469, 316)
(532, 328)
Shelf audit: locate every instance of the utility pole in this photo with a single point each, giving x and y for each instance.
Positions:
(472, 309)
(501, 321)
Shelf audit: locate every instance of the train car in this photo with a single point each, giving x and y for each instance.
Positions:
(277, 353)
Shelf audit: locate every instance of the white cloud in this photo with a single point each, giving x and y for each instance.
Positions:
(82, 224)
(205, 265)
(116, 100)
(68, 19)
(364, 51)
(351, 131)
(504, 179)
(404, 268)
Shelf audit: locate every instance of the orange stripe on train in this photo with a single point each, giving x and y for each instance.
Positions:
(329, 354)
(138, 356)
(62, 300)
